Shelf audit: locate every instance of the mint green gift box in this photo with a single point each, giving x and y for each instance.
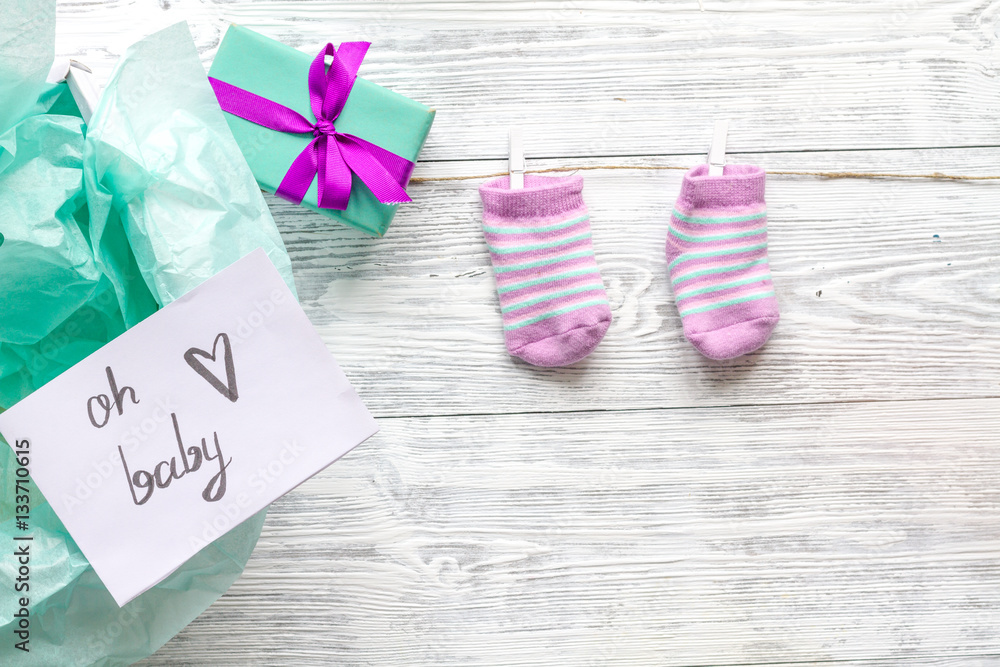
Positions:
(280, 73)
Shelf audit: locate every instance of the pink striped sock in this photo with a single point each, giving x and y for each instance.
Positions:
(552, 301)
(717, 258)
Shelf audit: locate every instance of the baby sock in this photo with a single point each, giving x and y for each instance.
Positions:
(717, 259)
(554, 307)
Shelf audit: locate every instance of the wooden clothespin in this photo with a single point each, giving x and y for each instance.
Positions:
(515, 161)
(717, 152)
(81, 84)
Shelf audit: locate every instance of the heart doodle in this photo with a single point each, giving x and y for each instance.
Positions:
(229, 389)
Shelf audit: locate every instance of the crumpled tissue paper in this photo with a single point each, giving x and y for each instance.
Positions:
(100, 227)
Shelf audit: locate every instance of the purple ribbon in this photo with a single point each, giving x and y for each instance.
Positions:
(331, 154)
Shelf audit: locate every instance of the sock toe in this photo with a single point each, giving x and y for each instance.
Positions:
(565, 348)
(735, 340)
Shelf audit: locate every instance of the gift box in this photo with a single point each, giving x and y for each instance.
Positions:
(385, 124)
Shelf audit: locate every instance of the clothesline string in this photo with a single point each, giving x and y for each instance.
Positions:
(821, 174)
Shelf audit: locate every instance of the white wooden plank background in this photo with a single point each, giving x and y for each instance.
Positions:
(832, 498)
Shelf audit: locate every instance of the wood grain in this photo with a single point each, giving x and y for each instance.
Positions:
(829, 499)
(622, 77)
(660, 537)
(888, 290)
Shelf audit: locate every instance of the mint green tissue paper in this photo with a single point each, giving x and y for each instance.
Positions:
(27, 45)
(101, 226)
(161, 157)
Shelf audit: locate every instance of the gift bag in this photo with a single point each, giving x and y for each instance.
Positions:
(100, 226)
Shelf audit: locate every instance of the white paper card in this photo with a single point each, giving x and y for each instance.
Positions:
(187, 424)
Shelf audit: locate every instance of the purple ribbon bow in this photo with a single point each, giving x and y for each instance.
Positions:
(331, 154)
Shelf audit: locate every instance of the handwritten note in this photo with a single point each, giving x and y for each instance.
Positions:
(187, 424)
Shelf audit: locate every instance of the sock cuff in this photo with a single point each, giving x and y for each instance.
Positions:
(740, 185)
(542, 197)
